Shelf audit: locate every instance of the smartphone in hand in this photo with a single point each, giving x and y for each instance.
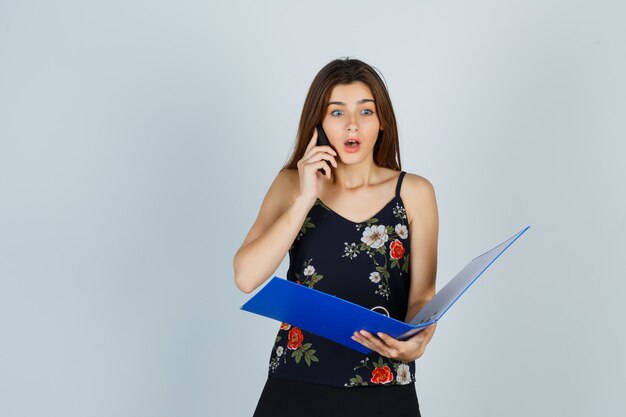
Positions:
(322, 140)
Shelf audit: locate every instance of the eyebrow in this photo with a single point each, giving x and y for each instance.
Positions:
(341, 103)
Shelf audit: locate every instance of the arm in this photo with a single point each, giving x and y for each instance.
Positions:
(423, 217)
(424, 231)
(274, 230)
(281, 216)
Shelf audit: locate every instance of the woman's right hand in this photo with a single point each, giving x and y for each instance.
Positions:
(280, 219)
(314, 158)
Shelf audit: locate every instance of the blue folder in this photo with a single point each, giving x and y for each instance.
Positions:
(337, 319)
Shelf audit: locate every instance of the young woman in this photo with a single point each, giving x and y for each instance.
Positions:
(355, 226)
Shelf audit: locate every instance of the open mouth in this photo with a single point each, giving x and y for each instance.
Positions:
(352, 143)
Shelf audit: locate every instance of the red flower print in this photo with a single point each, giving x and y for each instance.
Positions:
(381, 375)
(295, 338)
(396, 249)
(284, 326)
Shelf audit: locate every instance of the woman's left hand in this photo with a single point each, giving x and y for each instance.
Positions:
(387, 346)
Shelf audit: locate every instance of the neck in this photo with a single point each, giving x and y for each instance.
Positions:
(352, 177)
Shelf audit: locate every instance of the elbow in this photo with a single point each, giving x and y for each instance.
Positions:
(241, 283)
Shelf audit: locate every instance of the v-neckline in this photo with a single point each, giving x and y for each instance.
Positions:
(395, 197)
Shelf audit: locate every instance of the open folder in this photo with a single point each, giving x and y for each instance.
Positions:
(338, 319)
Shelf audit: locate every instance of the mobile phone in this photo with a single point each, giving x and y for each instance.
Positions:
(322, 140)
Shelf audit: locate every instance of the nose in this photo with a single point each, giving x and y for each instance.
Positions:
(352, 126)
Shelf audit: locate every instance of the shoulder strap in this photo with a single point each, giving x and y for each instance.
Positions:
(399, 182)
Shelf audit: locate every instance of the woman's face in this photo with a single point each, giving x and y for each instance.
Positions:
(351, 122)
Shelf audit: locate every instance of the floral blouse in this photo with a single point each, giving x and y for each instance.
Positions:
(366, 263)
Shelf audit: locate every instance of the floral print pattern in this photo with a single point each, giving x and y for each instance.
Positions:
(375, 236)
(310, 276)
(396, 250)
(380, 247)
(402, 231)
(307, 224)
(403, 374)
(294, 336)
(374, 240)
(380, 373)
(375, 277)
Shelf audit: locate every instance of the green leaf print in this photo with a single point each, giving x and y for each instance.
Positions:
(357, 380)
(306, 352)
(310, 357)
(306, 225)
(311, 277)
(380, 363)
(314, 280)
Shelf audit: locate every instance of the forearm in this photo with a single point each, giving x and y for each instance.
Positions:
(415, 307)
(255, 262)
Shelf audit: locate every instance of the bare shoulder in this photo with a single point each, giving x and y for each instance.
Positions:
(277, 200)
(283, 190)
(290, 183)
(418, 195)
(416, 182)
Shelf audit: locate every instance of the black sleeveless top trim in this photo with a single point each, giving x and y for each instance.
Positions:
(366, 263)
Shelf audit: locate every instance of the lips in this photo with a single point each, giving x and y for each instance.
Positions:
(352, 145)
(351, 141)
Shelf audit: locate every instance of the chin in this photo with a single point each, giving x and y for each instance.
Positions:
(352, 159)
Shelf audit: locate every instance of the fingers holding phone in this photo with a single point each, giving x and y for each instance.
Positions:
(316, 158)
(319, 149)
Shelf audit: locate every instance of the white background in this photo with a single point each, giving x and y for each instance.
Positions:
(138, 138)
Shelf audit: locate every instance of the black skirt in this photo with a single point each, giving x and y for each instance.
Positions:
(285, 398)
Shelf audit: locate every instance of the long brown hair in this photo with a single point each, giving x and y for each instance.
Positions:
(346, 71)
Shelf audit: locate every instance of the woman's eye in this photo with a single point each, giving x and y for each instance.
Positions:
(366, 112)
